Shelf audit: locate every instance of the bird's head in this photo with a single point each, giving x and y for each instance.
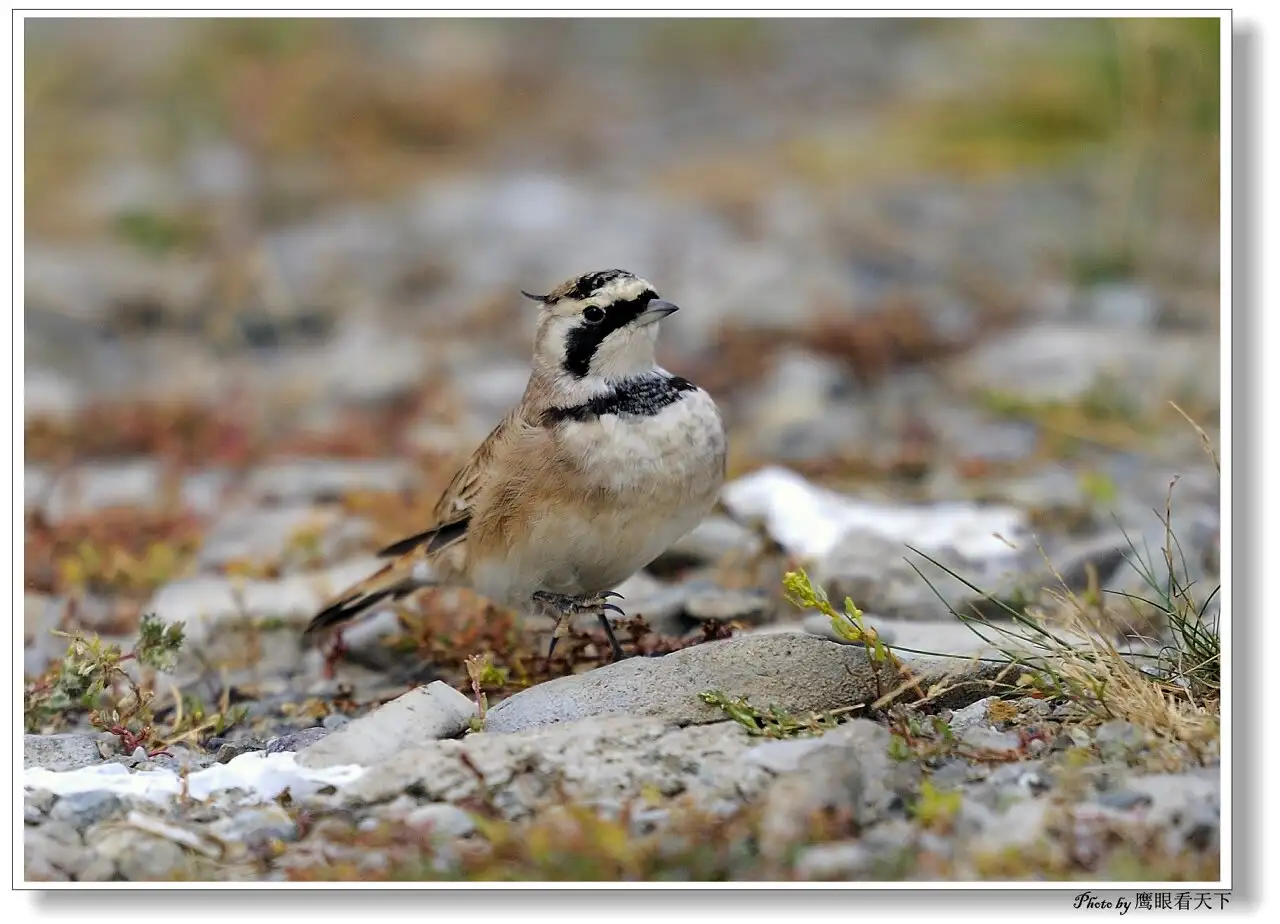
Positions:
(597, 328)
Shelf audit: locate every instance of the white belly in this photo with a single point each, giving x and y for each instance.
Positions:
(662, 474)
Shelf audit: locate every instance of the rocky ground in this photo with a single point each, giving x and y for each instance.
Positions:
(257, 348)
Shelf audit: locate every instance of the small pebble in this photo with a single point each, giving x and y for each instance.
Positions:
(334, 720)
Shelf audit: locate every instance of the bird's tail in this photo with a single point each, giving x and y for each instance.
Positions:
(395, 580)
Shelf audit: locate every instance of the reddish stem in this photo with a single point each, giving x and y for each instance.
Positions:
(333, 655)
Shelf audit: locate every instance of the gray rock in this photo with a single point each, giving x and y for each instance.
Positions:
(208, 604)
(46, 393)
(45, 859)
(68, 751)
(787, 755)
(270, 534)
(877, 573)
(202, 492)
(1021, 825)
(834, 861)
(63, 833)
(988, 740)
(328, 479)
(801, 410)
(729, 606)
(1123, 800)
(1123, 305)
(953, 772)
(795, 672)
(1025, 777)
(180, 758)
(41, 615)
(98, 869)
(84, 489)
(89, 487)
(850, 776)
(1186, 807)
(297, 741)
(970, 434)
(1074, 562)
(230, 750)
(661, 605)
(139, 856)
(1117, 739)
(1073, 736)
(83, 809)
(36, 804)
(710, 541)
(1049, 362)
(441, 818)
(255, 825)
(592, 761)
(972, 715)
(420, 716)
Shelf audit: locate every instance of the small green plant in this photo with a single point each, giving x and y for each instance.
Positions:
(193, 719)
(483, 672)
(849, 625)
(1099, 488)
(942, 728)
(774, 722)
(936, 809)
(157, 234)
(91, 677)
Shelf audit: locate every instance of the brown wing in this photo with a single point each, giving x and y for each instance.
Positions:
(453, 510)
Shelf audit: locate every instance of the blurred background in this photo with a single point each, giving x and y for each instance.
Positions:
(279, 260)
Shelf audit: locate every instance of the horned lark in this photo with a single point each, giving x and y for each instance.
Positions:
(607, 461)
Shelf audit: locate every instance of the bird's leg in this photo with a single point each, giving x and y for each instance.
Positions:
(565, 608)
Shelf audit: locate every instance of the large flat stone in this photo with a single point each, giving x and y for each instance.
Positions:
(604, 762)
(60, 752)
(419, 717)
(795, 672)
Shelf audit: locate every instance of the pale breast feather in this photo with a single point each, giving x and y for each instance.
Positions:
(673, 455)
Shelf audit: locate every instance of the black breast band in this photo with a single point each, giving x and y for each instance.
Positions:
(642, 397)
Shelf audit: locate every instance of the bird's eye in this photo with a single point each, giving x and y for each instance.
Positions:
(593, 315)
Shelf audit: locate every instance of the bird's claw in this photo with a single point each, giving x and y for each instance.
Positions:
(569, 607)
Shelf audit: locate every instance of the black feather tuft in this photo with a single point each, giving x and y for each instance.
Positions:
(344, 611)
(437, 537)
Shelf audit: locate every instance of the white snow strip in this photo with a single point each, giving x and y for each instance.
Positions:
(258, 777)
(810, 521)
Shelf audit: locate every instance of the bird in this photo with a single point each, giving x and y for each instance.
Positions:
(604, 463)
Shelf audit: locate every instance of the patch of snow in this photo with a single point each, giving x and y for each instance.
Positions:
(810, 521)
(254, 777)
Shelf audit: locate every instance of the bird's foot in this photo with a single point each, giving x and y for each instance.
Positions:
(565, 608)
